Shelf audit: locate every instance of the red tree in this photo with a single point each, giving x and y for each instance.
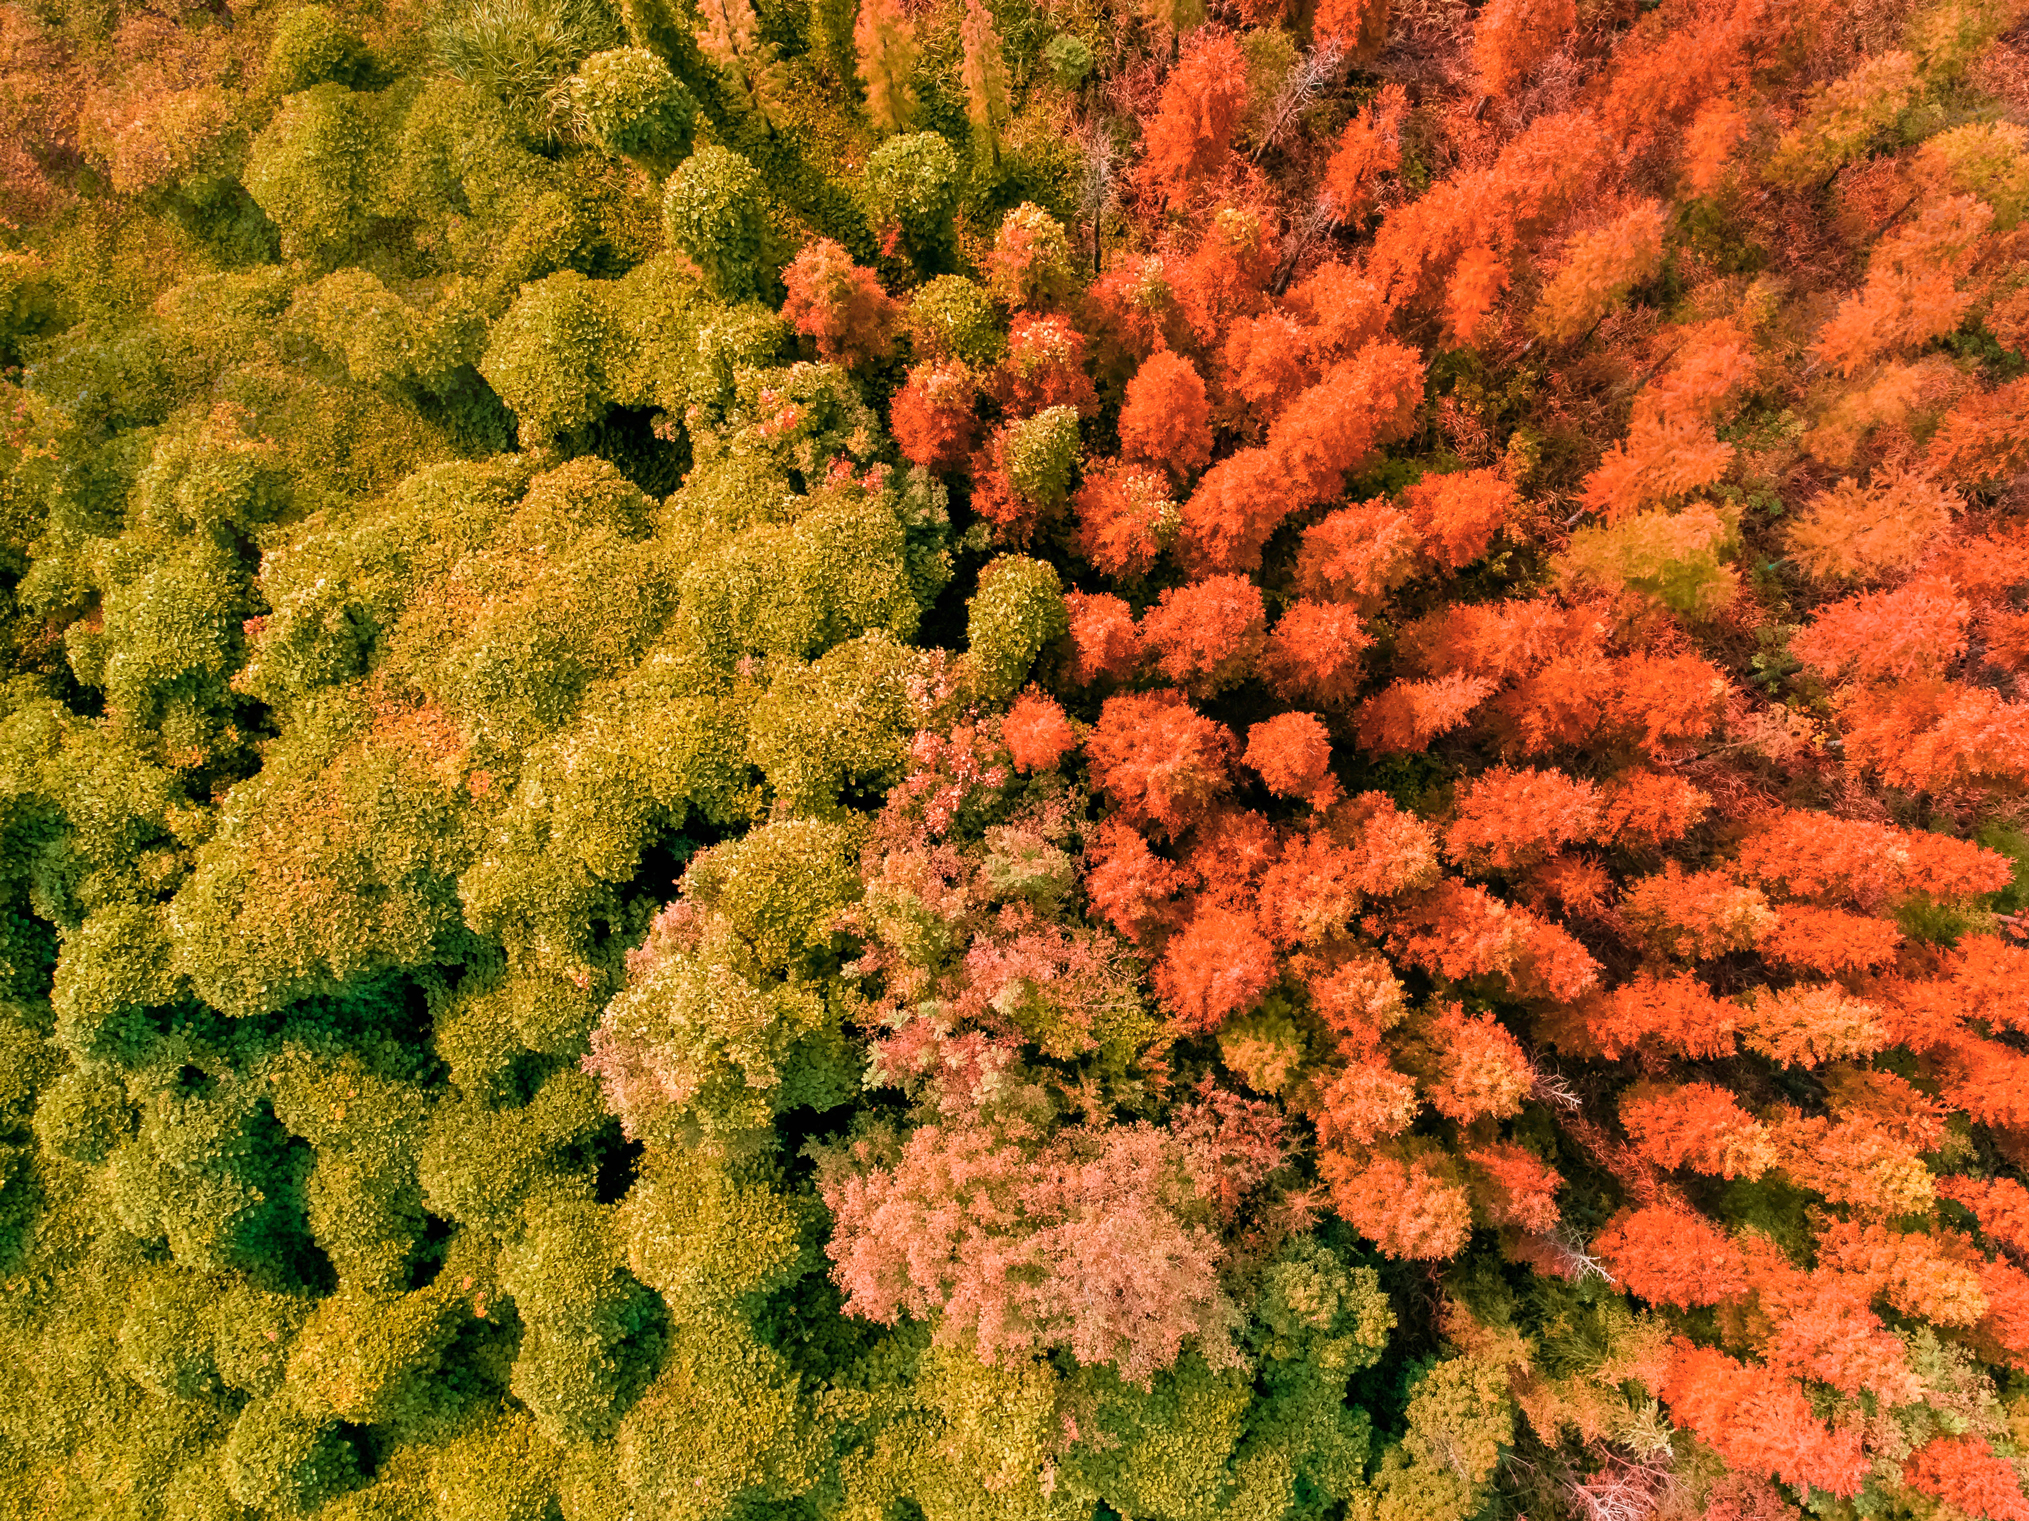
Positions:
(1292, 753)
(1206, 636)
(1166, 420)
(1202, 102)
(933, 417)
(839, 304)
(1160, 760)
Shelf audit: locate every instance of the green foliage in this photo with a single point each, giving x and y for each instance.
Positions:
(1018, 609)
(1986, 159)
(284, 1462)
(1946, 38)
(1042, 452)
(913, 184)
(384, 341)
(518, 50)
(320, 171)
(780, 888)
(1675, 559)
(627, 101)
(1068, 59)
(547, 357)
(590, 1330)
(83, 1115)
(709, 1236)
(312, 46)
(842, 721)
(955, 316)
(712, 210)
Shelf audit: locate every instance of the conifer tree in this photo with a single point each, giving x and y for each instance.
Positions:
(985, 74)
(885, 41)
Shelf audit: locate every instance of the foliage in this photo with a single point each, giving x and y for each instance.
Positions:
(943, 761)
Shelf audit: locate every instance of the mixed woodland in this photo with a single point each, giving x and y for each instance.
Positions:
(1014, 760)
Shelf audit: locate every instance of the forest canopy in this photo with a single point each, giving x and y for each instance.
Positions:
(1014, 760)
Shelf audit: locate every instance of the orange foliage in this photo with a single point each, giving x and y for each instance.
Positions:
(1130, 886)
(1698, 1126)
(839, 304)
(1477, 282)
(1313, 654)
(1678, 1015)
(1857, 533)
(1852, 1161)
(932, 417)
(1909, 1269)
(1599, 268)
(1819, 1326)
(1830, 940)
(1458, 514)
(1037, 733)
(1345, 309)
(2001, 1205)
(1125, 516)
(1340, 423)
(1506, 819)
(1969, 1476)
(1370, 147)
(1760, 1422)
(1480, 1069)
(1911, 294)
(1709, 144)
(1159, 760)
(1668, 1255)
(1265, 361)
(1651, 807)
(1293, 754)
(1811, 1024)
(1166, 420)
(1992, 976)
(1229, 850)
(1932, 735)
(1357, 554)
(1105, 644)
(1405, 1197)
(1206, 636)
(1662, 702)
(1513, 1186)
(1364, 1103)
(1359, 26)
(1216, 966)
(1044, 367)
(1459, 931)
(1311, 894)
(1850, 861)
(1356, 994)
(1226, 275)
(1512, 37)
(1202, 103)
(1918, 628)
(1983, 438)
(1695, 917)
(1409, 714)
(1233, 511)
(1988, 1080)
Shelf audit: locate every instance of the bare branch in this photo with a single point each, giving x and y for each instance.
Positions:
(1313, 75)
